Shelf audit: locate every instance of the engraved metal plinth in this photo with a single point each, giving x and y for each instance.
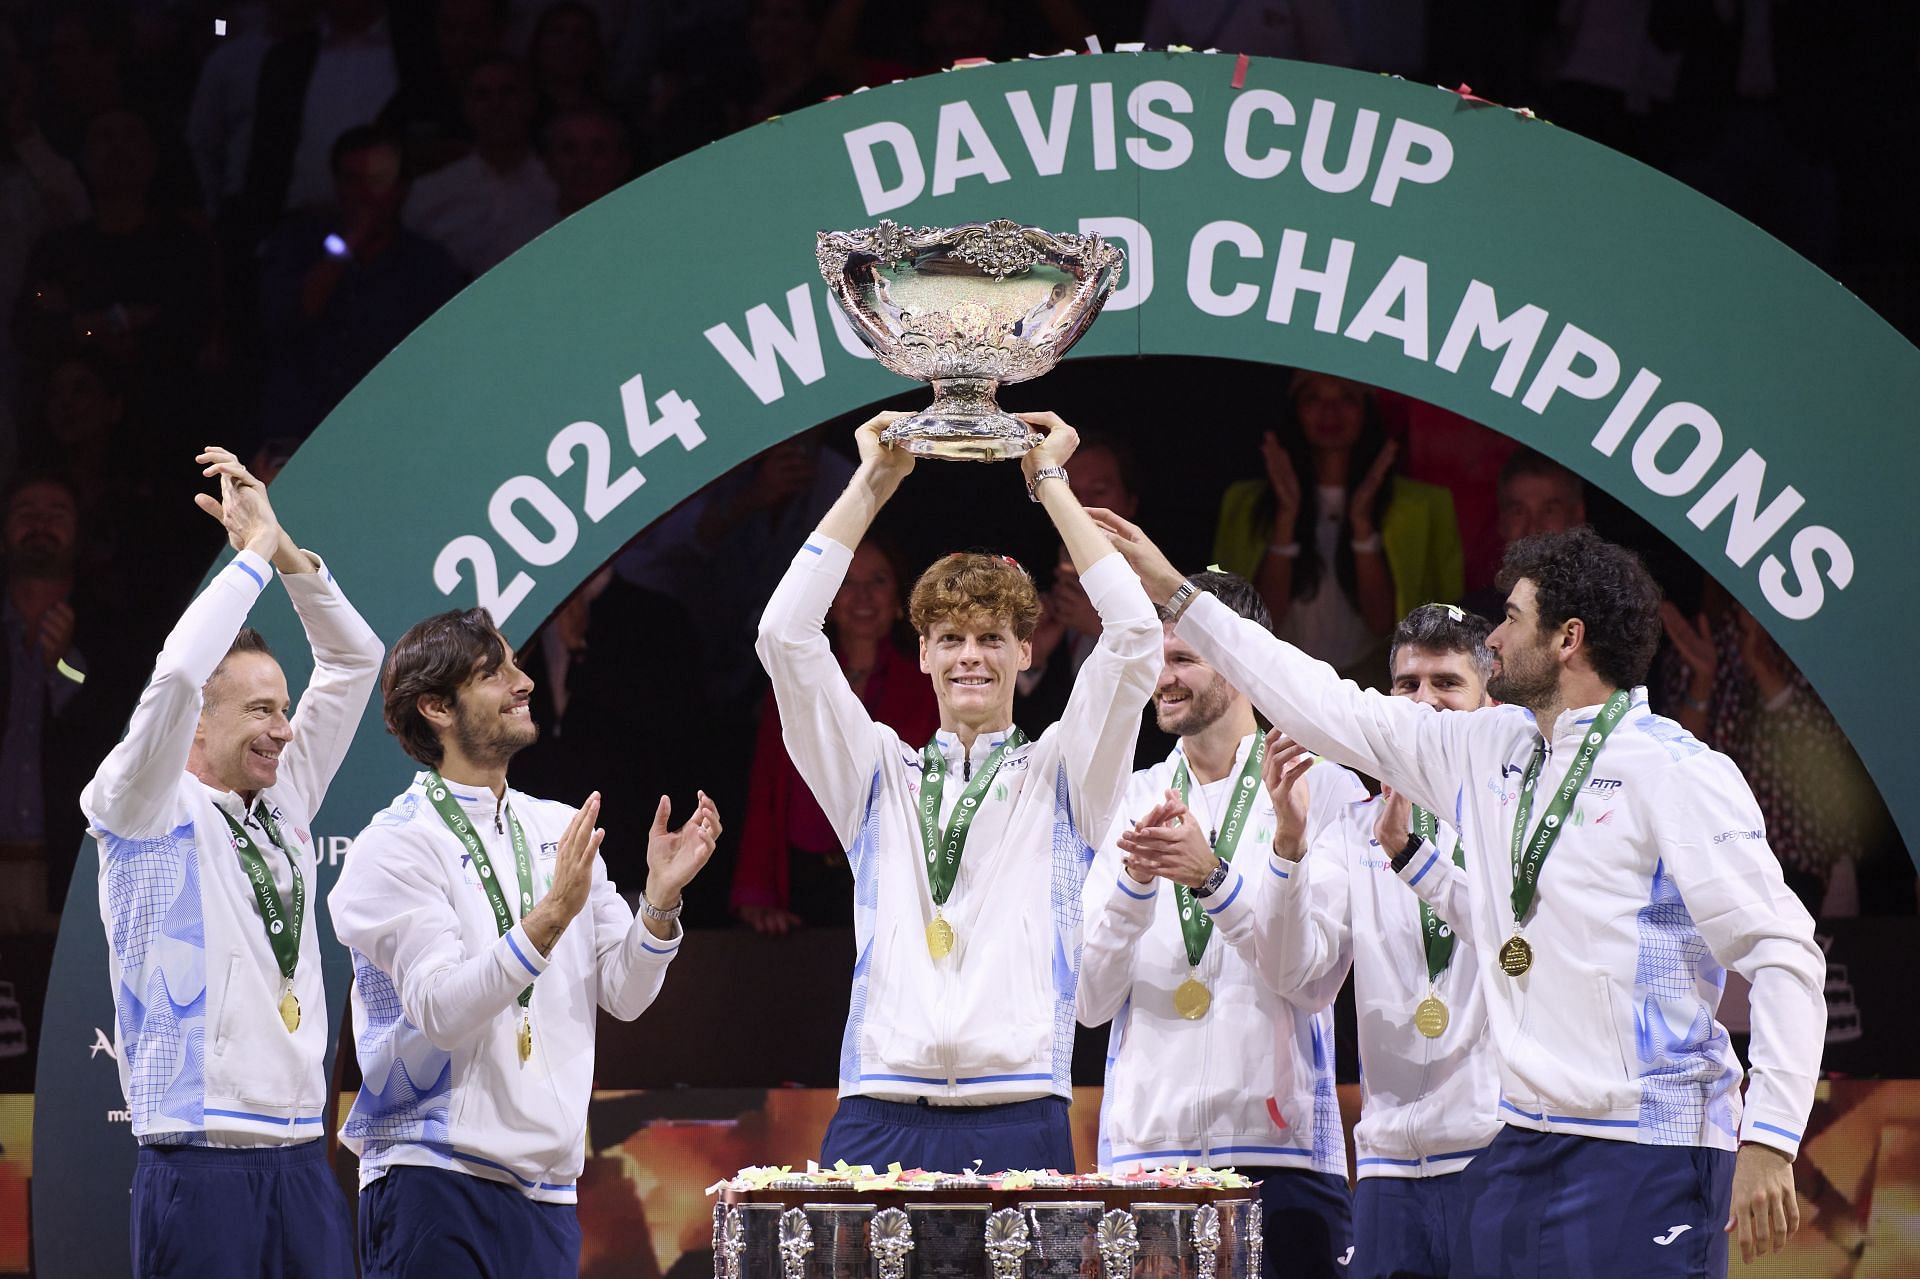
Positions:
(968, 308)
(839, 1240)
(950, 1240)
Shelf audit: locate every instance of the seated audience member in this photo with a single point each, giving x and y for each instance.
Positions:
(134, 278)
(1730, 685)
(483, 207)
(1339, 547)
(566, 60)
(337, 293)
(792, 869)
(589, 152)
(1536, 495)
(437, 54)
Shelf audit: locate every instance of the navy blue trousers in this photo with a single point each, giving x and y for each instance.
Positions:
(1407, 1227)
(1555, 1204)
(201, 1212)
(433, 1223)
(1309, 1223)
(1018, 1135)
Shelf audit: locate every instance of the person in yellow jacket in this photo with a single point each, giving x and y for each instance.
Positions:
(1339, 546)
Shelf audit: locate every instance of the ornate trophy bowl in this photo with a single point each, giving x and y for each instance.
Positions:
(969, 309)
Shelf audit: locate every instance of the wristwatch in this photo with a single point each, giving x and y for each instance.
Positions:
(1044, 473)
(1214, 880)
(1405, 855)
(652, 911)
(1177, 602)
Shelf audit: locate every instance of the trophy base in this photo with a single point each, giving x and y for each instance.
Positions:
(963, 424)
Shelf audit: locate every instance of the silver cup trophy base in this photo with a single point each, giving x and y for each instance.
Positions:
(963, 424)
(969, 309)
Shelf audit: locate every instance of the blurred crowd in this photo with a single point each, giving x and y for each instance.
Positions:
(216, 216)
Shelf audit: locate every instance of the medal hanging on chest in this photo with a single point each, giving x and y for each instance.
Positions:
(1191, 998)
(283, 927)
(1529, 855)
(942, 850)
(1430, 1015)
(458, 822)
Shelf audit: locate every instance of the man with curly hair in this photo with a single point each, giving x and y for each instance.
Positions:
(967, 851)
(1625, 868)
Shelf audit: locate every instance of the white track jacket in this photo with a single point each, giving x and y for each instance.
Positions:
(204, 1057)
(1662, 880)
(436, 1012)
(1427, 1106)
(994, 1020)
(1251, 1083)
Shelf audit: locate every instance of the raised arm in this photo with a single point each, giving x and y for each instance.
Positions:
(1301, 936)
(1391, 738)
(346, 666)
(132, 793)
(831, 739)
(1102, 717)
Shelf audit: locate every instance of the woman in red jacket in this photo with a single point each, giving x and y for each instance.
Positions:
(791, 869)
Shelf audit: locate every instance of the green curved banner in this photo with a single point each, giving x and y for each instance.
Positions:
(1467, 255)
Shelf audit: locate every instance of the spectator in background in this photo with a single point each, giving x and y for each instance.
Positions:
(220, 122)
(1339, 547)
(41, 681)
(338, 293)
(589, 154)
(429, 112)
(1102, 473)
(481, 208)
(134, 278)
(784, 74)
(791, 869)
(567, 59)
(39, 191)
(83, 60)
(314, 86)
(1536, 495)
(1729, 684)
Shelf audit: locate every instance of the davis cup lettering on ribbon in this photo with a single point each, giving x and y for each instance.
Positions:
(891, 171)
(602, 492)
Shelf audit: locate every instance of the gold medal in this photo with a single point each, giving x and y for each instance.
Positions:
(939, 938)
(525, 1038)
(1430, 1017)
(1192, 999)
(290, 1011)
(1516, 956)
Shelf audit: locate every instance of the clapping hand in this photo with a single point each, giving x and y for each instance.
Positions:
(1284, 774)
(1168, 844)
(242, 507)
(675, 857)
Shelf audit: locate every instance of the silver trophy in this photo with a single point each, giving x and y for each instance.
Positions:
(969, 309)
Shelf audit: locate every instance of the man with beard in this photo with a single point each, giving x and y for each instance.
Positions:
(474, 990)
(202, 815)
(1602, 937)
(1429, 1085)
(1207, 1063)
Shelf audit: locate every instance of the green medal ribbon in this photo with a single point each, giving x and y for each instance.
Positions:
(943, 851)
(1530, 855)
(462, 827)
(283, 929)
(1436, 932)
(1196, 926)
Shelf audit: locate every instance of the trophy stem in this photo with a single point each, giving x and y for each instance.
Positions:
(963, 424)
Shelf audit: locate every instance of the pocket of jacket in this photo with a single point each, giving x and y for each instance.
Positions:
(224, 1031)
